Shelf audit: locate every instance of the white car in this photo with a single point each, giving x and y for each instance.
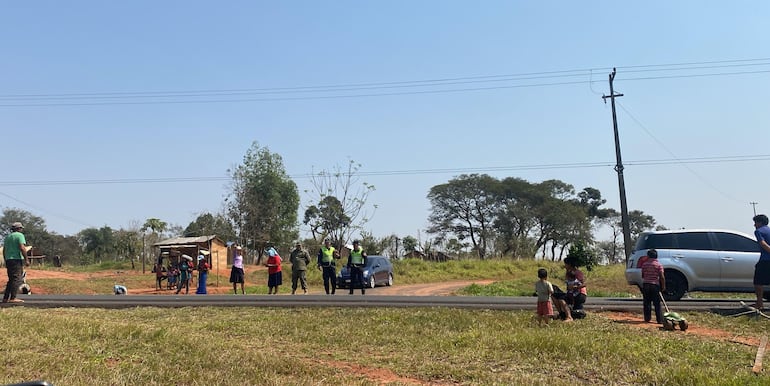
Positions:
(699, 260)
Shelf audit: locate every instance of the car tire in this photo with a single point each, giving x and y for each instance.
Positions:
(676, 286)
(390, 280)
(372, 282)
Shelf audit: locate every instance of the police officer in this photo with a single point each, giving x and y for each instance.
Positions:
(326, 262)
(356, 264)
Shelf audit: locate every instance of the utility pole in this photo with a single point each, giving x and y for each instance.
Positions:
(754, 205)
(619, 168)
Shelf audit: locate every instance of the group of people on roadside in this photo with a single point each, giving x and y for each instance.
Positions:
(178, 275)
(326, 262)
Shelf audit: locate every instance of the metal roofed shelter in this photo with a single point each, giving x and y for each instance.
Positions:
(212, 247)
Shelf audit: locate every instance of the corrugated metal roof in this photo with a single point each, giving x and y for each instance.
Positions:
(184, 240)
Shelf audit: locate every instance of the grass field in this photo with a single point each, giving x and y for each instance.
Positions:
(344, 346)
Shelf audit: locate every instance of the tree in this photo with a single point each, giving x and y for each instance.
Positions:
(410, 244)
(97, 242)
(639, 222)
(34, 226)
(156, 225)
(341, 204)
(263, 201)
(465, 207)
(208, 224)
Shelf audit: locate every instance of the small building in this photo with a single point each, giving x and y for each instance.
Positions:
(215, 250)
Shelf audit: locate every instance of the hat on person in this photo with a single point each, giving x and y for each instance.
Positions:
(17, 225)
(200, 257)
(186, 257)
(238, 247)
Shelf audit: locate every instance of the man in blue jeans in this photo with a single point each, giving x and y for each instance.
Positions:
(14, 251)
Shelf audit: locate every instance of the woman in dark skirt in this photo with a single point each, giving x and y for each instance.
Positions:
(236, 273)
(274, 275)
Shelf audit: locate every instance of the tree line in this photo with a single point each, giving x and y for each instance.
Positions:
(473, 214)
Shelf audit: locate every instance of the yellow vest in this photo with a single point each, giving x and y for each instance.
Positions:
(328, 254)
(357, 257)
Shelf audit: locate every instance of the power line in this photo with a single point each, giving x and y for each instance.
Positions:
(429, 87)
(678, 161)
(390, 173)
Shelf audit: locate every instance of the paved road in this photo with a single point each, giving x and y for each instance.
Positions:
(357, 300)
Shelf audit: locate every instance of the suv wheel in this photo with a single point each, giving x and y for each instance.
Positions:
(676, 285)
(372, 282)
(390, 280)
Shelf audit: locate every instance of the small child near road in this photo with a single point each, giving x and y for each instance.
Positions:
(544, 290)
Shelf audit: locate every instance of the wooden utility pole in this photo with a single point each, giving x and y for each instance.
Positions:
(619, 168)
(754, 205)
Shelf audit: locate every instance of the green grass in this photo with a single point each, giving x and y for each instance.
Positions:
(310, 346)
(368, 346)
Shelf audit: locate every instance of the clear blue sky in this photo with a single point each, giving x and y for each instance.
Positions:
(130, 55)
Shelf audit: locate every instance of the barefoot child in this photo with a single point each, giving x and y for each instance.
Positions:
(544, 290)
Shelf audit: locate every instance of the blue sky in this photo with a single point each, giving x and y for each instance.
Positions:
(81, 59)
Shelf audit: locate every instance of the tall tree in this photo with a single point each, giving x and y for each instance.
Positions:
(97, 242)
(209, 224)
(465, 207)
(34, 226)
(263, 201)
(341, 204)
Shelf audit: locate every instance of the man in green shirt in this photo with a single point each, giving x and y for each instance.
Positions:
(14, 251)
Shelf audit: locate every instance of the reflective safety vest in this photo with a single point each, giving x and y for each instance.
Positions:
(328, 254)
(357, 257)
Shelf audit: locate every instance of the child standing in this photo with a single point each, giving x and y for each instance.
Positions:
(544, 290)
(653, 282)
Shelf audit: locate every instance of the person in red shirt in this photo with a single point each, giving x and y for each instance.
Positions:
(653, 282)
(274, 275)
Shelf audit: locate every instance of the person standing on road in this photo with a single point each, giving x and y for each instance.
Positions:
(326, 262)
(299, 259)
(236, 273)
(653, 282)
(544, 290)
(762, 268)
(356, 264)
(15, 253)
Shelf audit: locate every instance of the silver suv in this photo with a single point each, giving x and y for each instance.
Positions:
(698, 260)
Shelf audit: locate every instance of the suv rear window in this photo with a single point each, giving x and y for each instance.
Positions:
(657, 241)
(694, 240)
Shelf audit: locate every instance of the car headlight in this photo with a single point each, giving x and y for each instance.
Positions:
(366, 272)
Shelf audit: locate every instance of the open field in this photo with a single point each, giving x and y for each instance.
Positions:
(304, 346)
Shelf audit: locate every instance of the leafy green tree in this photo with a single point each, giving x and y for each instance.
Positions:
(263, 201)
(155, 225)
(638, 222)
(209, 224)
(97, 242)
(128, 245)
(34, 226)
(328, 220)
(465, 207)
(410, 243)
(584, 257)
(341, 207)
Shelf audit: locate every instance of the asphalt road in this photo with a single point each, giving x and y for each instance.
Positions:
(342, 299)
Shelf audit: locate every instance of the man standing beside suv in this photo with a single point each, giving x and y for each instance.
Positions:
(762, 268)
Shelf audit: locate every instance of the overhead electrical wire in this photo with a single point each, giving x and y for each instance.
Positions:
(386, 173)
(350, 90)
